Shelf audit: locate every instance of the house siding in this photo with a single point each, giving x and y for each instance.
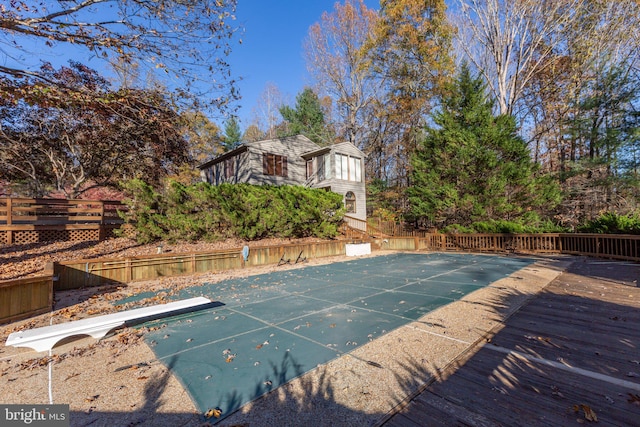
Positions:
(218, 175)
(342, 186)
(292, 148)
(248, 164)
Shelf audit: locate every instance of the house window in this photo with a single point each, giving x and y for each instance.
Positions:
(309, 168)
(324, 167)
(229, 168)
(350, 202)
(326, 160)
(339, 160)
(274, 164)
(348, 168)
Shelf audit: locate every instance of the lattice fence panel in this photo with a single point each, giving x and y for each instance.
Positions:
(22, 237)
(83, 235)
(35, 236)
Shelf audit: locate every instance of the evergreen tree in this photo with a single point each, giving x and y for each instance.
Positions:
(232, 134)
(307, 118)
(473, 166)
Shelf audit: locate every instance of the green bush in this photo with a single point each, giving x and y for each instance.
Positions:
(529, 223)
(250, 212)
(612, 223)
(458, 229)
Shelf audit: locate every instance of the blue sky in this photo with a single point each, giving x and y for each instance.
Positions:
(272, 47)
(271, 50)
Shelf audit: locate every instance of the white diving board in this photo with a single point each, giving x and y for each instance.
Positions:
(45, 338)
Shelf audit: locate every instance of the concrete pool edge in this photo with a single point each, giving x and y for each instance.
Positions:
(365, 385)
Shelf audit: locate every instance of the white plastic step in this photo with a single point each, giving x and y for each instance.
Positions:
(45, 338)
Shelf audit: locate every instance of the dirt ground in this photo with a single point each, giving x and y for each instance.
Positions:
(117, 381)
(30, 259)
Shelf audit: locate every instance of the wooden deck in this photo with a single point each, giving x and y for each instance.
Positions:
(570, 356)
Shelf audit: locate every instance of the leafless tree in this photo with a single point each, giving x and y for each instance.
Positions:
(509, 41)
(187, 40)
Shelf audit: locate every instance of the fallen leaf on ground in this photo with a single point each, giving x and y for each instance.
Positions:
(556, 391)
(589, 413)
(634, 398)
(214, 412)
(72, 375)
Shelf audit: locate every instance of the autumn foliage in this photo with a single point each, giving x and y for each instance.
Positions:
(79, 133)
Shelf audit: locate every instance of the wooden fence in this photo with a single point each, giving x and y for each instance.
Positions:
(623, 247)
(23, 298)
(95, 272)
(530, 243)
(27, 297)
(354, 228)
(381, 228)
(37, 220)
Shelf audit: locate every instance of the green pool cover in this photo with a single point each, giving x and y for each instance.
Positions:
(274, 327)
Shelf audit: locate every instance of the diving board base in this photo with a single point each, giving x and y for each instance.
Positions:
(45, 338)
(357, 249)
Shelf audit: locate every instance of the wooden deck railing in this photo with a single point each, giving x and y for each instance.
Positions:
(622, 246)
(392, 228)
(25, 220)
(356, 223)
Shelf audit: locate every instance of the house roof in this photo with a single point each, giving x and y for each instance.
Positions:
(256, 144)
(224, 156)
(315, 153)
(335, 147)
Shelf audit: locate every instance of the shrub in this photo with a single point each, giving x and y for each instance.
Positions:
(612, 223)
(529, 223)
(249, 212)
(457, 228)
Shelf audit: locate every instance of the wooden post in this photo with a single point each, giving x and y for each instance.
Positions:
(101, 212)
(50, 270)
(9, 221)
(9, 209)
(128, 273)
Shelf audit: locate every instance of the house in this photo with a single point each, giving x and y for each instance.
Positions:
(295, 160)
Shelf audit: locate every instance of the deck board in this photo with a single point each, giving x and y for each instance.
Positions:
(586, 319)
